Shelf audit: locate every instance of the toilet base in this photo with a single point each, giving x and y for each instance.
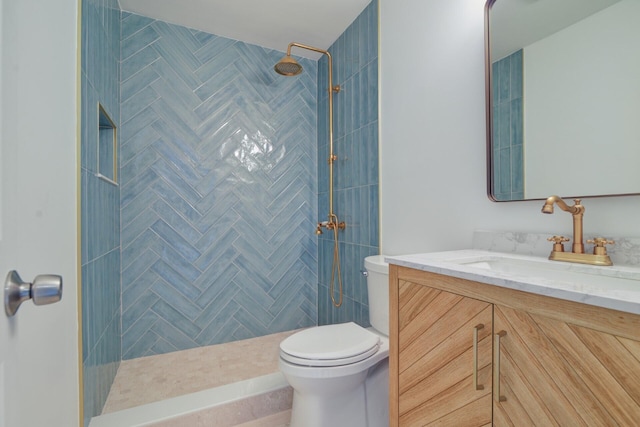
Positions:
(344, 409)
(360, 400)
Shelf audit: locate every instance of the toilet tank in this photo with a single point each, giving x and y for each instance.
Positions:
(378, 287)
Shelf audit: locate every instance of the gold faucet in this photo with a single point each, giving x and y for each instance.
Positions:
(332, 224)
(577, 210)
(599, 256)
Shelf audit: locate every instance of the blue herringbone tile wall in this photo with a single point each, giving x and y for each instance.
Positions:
(218, 197)
(355, 67)
(100, 200)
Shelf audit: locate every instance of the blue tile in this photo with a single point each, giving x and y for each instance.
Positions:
(212, 47)
(515, 77)
(372, 39)
(177, 319)
(132, 23)
(344, 166)
(143, 323)
(217, 252)
(504, 125)
(176, 280)
(172, 337)
(176, 180)
(517, 169)
(137, 308)
(175, 48)
(135, 347)
(374, 218)
(218, 81)
(502, 80)
(178, 203)
(372, 92)
(217, 288)
(139, 266)
(161, 346)
(372, 153)
(142, 39)
(516, 122)
(137, 104)
(256, 306)
(179, 302)
(221, 325)
(227, 56)
(504, 179)
(250, 322)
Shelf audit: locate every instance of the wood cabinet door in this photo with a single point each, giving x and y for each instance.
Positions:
(549, 372)
(437, 356)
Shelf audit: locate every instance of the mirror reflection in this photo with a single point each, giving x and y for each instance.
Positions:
(564, 98)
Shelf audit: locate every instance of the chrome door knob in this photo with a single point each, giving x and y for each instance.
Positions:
(45, 289)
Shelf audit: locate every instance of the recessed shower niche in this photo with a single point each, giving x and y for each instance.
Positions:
(107, 147)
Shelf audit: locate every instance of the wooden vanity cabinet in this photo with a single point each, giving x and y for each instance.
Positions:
(464, 353)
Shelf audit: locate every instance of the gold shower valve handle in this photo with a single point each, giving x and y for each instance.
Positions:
(558, 243)
(599, 245)
(332, 225)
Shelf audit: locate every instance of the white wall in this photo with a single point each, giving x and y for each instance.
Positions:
(432, 137)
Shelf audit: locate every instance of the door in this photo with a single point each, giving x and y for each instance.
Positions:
(444, 358)
(39, 371)
(556, 373)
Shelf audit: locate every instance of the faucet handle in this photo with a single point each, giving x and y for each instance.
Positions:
(599, 245)
(558, 243)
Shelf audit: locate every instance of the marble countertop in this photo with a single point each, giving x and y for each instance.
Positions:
(615, 287)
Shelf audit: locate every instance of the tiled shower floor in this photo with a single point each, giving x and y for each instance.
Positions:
(153, 378)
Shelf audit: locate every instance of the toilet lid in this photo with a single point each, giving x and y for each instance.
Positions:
(330, 345)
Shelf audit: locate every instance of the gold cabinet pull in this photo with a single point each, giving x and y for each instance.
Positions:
(475, 357)
(496, 367)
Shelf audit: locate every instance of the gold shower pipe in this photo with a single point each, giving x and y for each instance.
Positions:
(332, 89)
(289, 67)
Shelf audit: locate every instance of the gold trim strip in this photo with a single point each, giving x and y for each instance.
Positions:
(79, 213)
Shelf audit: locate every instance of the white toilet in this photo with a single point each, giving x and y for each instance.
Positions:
(340, 373)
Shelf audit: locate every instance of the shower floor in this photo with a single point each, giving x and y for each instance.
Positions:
(154, 378)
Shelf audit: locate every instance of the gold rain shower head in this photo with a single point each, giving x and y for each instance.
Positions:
(288, 66)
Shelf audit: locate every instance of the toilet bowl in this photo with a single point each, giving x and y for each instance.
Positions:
(340, 373)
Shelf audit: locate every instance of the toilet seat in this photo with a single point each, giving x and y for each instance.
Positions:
(330, 345)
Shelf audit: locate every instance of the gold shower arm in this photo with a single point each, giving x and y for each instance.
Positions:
(335, 88)
(304, 46)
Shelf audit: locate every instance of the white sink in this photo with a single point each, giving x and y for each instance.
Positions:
(613, 278)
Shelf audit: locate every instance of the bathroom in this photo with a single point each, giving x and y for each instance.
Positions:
(432, 132)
